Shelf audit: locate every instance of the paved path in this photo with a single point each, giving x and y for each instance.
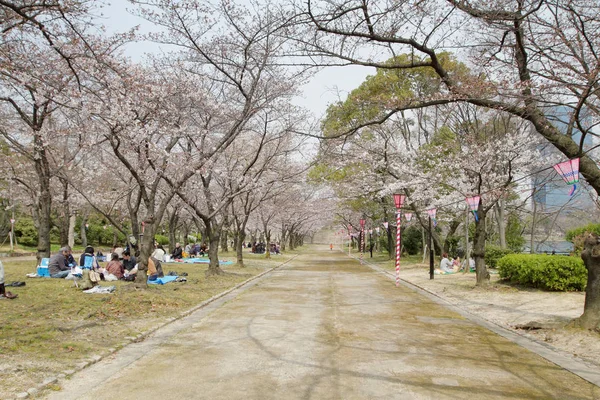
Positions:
(324, 327)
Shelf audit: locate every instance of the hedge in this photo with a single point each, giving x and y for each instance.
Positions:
(493, 254)
(557, 273)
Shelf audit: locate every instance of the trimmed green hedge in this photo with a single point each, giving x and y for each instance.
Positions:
(559, 273)
(493, 254)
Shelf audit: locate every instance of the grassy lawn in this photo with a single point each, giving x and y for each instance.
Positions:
(52, 326)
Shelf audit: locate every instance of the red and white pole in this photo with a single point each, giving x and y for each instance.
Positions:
(398, 201)
(362, 239)
(398, 244)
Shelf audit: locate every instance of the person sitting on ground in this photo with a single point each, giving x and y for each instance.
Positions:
(177, 253)
(58, 266)
(3, 293)
(445, 265)
(203, 249)
(88, 252)
(188, 250)
(70, 258)
(129, 261)
(159, 253)
(456, 264)
(119, 251)
(114, 267)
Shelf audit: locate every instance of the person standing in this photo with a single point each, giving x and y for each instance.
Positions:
(3, 293)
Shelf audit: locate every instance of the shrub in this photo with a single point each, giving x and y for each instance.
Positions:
(161, 239)
(577, 235)
(559, 273)
(493, 254)
(411, 240)
(26, 232)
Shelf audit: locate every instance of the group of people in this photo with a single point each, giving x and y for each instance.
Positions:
(195, 249)
(121, 266)
(450, 266)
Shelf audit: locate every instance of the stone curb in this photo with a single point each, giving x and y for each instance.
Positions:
(556, 356)
(96, 358)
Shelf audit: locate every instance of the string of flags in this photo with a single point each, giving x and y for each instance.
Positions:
(568, 170)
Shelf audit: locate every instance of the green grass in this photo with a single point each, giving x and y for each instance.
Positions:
(52, 326)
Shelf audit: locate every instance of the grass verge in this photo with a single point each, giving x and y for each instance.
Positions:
(52, 327)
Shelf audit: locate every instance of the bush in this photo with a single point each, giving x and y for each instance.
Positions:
(493, 254)
(161, 239)
(577, 235)
(411, 240)
(559, 273)
(25, 232)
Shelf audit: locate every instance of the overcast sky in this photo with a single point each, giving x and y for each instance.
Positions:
(326, 87)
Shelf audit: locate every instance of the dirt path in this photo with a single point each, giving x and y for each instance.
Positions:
(324, 327)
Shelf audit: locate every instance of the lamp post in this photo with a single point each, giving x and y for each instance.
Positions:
(362, 239)
(398, 201)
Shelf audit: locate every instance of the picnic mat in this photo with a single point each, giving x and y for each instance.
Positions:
(163, 280)
(196, 261)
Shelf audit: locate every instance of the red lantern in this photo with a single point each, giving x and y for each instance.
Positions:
(399, 200)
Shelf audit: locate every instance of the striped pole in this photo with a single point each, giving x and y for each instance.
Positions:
(398, 201)
(362, 239)
(398, 241)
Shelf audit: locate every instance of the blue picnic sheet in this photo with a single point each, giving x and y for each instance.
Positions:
(163, 280)
(197, 261)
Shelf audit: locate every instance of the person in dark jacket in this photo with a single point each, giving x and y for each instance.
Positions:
(58, 266)
(177, 253)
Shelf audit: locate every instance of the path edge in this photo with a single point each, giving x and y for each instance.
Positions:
(572, 364)
(97, 358)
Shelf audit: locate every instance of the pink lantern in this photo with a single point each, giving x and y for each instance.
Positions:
(432, 212)
(377, 230)
(399, 200)
(473, 203)
(408, 216)
(569, 170)
(386, 224)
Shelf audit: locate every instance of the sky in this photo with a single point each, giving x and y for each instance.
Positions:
(325, 87)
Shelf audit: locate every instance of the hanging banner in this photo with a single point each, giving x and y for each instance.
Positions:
(408, 216)
(569, 170)
(473, 203)
(432, 214)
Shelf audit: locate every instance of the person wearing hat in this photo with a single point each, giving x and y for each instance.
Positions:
(58, 265)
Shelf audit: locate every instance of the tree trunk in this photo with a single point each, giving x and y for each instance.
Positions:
(500, 219)
(268, 243)
(65, 214)
(482, 274)
(213, 254)
(590, 319)
(72, 220)
(173, 221)
(533, 216)
(44, 204)
(224, 244)
(83, 230)
(146, 246)
(239, 249)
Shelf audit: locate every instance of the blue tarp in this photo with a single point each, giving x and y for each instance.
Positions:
(163, 280)
(197, 261)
